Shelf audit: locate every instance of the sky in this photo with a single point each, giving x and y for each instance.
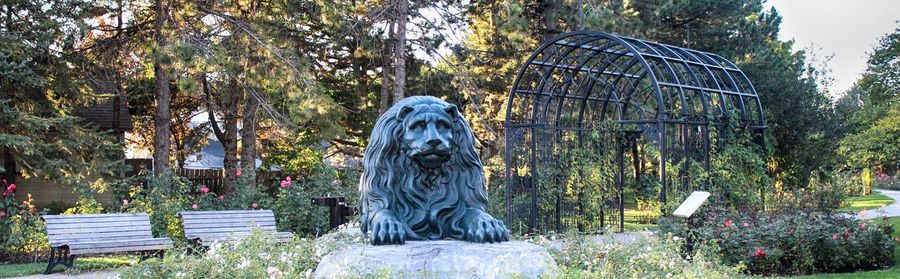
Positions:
(846, 29)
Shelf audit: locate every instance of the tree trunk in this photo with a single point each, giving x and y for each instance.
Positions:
(386, 72)
(9, 165)
(248, 139)
(163, 117)
(551, 19)
(229, 139)
(400, 50)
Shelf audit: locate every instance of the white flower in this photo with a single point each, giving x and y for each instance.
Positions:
(274, 272)
(179, 274)
(244, 263)
(668, 275)
(308, 272)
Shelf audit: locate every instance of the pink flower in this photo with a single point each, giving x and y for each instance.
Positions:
(124, 202)
(285, 184)
(254, 205)
(194, 206)
(759, 253)
(238, 171)
(2, 213)
(11, 188)
(745, 224)
(204, 189)
(834, 237)
(288, 178)
(4, 181)
(727, 223)
(221, 197)
(862, 226)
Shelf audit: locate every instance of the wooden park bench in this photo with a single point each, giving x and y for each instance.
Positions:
(206, 227)
(79, 234)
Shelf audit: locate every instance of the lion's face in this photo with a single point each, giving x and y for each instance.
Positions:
(428, 134)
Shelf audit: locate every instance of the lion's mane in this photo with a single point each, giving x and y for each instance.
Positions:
(393, 181)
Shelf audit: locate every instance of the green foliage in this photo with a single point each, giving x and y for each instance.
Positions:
(871, 111)
(790, 241)
(22, 233)
(647, 257)
(293, 202)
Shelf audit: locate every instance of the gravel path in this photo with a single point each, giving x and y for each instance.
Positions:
(891, 210)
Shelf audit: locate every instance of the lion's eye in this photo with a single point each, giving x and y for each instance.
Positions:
(417, 125)
(443, 125)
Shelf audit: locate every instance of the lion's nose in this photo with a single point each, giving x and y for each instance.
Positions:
(434, 142)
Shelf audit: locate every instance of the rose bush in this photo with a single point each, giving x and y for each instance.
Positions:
(791, 241)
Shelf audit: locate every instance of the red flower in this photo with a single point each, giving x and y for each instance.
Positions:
(194, 206)
(759, 253)
(253, 205)
(727, 223)
(238, 172)
(204, 189)
(846, 235)
(221, 198)
(4, 181)
(11, 188)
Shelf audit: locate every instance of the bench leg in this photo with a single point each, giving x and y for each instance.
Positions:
(59, 255)
(148, 254)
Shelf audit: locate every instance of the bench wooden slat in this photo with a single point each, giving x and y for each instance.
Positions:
(120, 243)
(208, 240)
(97, 215)
(231, 223)
(227, 212)
(92, 230)
(111, 225)
(119, 249)
(97, 220)
(104, 235)
(232, 216)
(227, 229)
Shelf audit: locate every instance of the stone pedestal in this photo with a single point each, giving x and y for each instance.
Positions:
(439, 259)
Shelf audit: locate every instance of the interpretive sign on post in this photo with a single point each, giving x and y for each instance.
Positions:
(691, 204)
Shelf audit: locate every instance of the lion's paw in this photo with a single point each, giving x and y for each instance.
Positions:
(485, 228)
(387, 231)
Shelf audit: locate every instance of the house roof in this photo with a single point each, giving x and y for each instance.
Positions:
(102, 115)
(212, 156)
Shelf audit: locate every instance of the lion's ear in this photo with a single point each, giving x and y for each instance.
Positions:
(452, 111)
(404, 111)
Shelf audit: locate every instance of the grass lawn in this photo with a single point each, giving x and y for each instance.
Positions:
(81, 265)
(893, 272)
(872, 201)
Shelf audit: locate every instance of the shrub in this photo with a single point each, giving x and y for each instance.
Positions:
(580, 256)
(22, 233)
(260, 255)
(791, 241)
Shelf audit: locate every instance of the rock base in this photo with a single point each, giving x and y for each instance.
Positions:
(439, 259)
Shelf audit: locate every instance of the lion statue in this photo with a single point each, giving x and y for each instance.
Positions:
(423, 179)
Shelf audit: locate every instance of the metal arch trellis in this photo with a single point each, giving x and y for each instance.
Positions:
(622, 99)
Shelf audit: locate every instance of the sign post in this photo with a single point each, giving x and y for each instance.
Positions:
(685, 211)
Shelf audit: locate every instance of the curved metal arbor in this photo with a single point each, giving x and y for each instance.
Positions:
(622, 97)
